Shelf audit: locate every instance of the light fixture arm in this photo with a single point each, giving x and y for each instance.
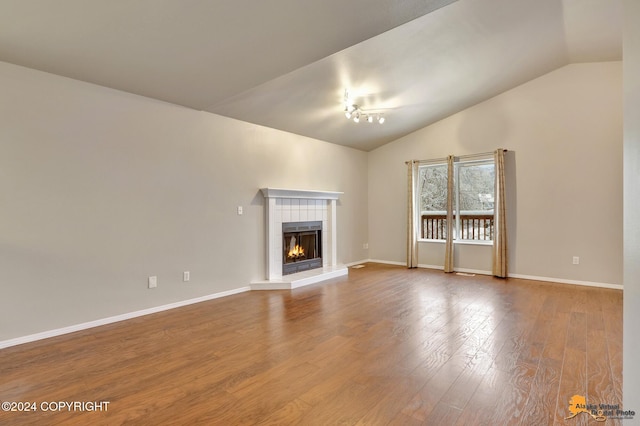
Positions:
(355, 113)
(352, 111)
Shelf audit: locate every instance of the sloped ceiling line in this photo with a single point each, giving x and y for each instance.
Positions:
(285, 63)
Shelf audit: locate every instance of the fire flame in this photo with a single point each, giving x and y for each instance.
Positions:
(297, 251)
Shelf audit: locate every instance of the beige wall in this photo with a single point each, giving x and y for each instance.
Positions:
(631, 53)
(565, 133)
(100, 189)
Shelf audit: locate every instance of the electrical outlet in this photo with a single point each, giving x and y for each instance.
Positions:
(186, 276)
(153, 282)
(240, 211)
(576, 260)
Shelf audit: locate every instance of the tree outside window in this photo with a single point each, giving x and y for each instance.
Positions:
(473, 197)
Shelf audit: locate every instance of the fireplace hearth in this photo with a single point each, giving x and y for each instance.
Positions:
(315, 259)
(302, 246)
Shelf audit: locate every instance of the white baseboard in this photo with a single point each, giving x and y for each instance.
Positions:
(386, 262)
(123, 317)
(465, 270)
(473, 271)
(117, 318)
(564, 281)
(358, 262)
(425, 266)
(520, 276)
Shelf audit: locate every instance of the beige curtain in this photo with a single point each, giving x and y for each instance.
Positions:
(500, 263)
(412, 214)
(448, 250)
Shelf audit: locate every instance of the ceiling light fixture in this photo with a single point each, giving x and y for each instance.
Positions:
(353, 112)
(348, 110)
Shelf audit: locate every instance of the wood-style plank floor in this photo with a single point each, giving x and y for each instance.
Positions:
(385, 345)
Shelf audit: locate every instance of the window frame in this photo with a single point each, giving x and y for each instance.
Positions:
(457, 228)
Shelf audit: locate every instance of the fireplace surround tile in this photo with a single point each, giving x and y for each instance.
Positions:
(291, 205)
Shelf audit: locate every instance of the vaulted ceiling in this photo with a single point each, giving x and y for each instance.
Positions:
(286, 64)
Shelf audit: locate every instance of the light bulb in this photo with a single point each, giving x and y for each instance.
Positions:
(370, 119)
(356, 118)
(381, 119)
(347, 113)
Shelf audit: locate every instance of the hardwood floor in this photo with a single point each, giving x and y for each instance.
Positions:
(385, 345)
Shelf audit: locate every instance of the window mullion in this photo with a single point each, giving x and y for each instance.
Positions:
(456, 204)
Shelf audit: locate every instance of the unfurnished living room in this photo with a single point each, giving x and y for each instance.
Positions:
(292, 212)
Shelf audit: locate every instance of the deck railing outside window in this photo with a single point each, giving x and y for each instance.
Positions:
(474, 225)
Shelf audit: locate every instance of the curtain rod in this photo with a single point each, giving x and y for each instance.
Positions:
(443, 159)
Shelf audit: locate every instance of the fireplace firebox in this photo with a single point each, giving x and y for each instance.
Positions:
(302, 246)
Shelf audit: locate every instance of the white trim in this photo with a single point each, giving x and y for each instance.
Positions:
(564, 281)
(117, 318)
(295, 205)
(358, 262)
(123, 317)
(300, 193)
(330, 232)
(301, 279)
(519, 276)
(439, 267)
(473, 271)
(465, 270)
(387, 262)
(487, 243)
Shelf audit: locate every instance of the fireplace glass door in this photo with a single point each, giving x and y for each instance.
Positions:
(302, 246)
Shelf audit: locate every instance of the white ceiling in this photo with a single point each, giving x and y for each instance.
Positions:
(286, 63)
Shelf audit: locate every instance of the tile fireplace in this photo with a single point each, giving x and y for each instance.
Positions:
(309, 217)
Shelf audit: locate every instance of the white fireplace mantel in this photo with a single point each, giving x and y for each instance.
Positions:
(300, 194)
(298, 205)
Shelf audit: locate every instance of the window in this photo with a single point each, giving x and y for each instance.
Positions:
(473, 183)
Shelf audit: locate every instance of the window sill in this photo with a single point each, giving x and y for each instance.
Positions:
(463, 242)
(474, 243)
